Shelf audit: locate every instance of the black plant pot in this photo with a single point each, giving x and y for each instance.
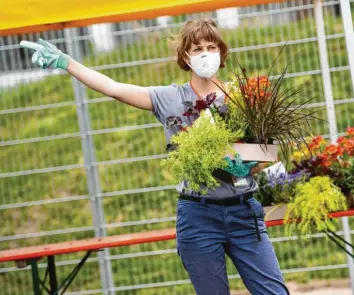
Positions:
(349, 196)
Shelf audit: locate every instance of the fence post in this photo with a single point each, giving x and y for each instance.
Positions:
(73, 49)
(349, 34)
(349, 38)
(327, 86)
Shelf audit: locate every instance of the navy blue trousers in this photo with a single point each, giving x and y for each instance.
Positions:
(206, 232)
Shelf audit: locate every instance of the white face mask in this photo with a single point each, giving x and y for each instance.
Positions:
(205, 64)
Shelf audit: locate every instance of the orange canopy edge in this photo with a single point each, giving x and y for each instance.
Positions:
(38, 15)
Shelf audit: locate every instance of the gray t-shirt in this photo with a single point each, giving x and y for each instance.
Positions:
(168, 102)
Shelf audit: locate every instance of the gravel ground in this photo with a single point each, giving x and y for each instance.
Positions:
(335, 287)
(328, 291)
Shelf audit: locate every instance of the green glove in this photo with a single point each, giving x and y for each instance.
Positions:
(237, 168)
(47, 55)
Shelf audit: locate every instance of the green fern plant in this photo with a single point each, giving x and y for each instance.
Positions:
(311, 204)
(201, 150)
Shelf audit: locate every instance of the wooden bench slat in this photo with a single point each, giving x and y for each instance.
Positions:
(86, 245)
(111, 241)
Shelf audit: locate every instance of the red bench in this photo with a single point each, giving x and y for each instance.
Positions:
(30, 255)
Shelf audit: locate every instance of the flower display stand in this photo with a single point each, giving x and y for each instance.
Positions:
(275, 217)
(275, 212)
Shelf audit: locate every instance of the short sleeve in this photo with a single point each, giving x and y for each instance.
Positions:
(162, 98)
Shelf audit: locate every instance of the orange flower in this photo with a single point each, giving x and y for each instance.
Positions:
(257, 89)
(316, 143)
(340, 150)
(331, 149)
(341, 140)
(349, 146)
(325, 162)
(350, 130)
(319, 139)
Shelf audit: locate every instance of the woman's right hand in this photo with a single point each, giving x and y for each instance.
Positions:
(48, 56)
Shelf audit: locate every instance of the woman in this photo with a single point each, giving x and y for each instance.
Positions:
(226, 220)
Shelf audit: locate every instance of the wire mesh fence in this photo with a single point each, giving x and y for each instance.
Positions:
(46, 192)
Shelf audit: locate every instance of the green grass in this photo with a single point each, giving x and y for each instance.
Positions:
(136, 143)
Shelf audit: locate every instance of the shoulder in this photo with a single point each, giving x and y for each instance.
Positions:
(169, 92)
(165, 89)
(167, 100)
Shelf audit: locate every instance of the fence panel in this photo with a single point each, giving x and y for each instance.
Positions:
(44, 189)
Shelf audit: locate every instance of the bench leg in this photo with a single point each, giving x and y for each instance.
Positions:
(35, 277)
(52, 275)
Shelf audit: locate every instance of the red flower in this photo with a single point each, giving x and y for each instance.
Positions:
(188, 113)
(341, 140)
(349, 146)
(324, 161)
(347, 143)
(350, 131)
(316, 142)
(200, 105)
(340, 150)
(333, 150)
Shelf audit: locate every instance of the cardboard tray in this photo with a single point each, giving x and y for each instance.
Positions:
(256, 152)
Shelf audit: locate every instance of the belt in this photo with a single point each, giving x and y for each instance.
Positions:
(223, 175)
(224, 202)
(228, 202)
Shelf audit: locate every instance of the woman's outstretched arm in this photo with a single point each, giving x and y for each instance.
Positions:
(133, 95)
(48, 55)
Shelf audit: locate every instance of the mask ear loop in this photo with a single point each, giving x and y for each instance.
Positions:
(190, 82)
(188, 62)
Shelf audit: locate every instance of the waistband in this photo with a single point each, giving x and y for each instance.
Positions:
(228, 202)
(225, 202)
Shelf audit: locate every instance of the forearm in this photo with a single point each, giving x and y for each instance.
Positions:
(91, 78)
(133, 95)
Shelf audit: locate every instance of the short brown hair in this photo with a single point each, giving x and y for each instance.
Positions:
(192, 33)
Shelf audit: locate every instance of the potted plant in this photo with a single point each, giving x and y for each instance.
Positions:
(303, 202)
(268, 113)
(335, 160)
(276, 189)
(201, 150)
(311, 204)
(320, 181)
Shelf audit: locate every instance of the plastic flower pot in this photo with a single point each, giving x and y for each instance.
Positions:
(257, 152)
(276, 212)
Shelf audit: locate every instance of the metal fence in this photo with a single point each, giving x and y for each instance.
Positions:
(74, 164)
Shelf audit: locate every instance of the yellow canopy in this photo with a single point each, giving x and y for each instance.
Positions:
(24, 16)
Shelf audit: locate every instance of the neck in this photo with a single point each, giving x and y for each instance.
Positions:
(205, 86)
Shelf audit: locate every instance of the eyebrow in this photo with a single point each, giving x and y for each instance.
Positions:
(199, 45)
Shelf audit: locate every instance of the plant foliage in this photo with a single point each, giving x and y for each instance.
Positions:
(201, 150)
(312, 202)
(268, 111)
